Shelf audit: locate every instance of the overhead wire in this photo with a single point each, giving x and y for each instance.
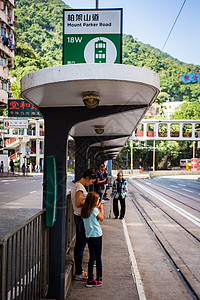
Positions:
(174, 24)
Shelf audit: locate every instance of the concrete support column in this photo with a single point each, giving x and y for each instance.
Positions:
(82, 144)
(55, 144)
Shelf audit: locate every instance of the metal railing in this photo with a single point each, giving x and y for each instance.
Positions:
(24, 257)
(24, 261)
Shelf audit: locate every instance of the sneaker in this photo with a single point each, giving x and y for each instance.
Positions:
(93, 283)
(116, 217)
(99, 281)
(82, 276)
(103, 201)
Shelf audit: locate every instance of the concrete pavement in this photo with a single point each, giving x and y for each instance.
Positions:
(118, 282)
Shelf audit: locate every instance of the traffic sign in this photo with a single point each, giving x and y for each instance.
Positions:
(92, 36)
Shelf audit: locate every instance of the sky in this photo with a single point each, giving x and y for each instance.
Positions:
(150, 21)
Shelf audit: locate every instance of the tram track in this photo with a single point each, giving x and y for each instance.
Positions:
(148, 221)
(170, 216)
(187, 205)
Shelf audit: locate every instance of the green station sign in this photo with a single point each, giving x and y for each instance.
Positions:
(92, 36)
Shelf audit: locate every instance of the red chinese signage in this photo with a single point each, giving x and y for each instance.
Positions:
(22, 109)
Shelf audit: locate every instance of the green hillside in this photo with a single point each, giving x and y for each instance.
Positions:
(39, 29)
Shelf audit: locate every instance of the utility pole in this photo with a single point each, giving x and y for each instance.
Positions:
(97, 4)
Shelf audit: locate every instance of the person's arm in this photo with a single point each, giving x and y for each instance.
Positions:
(100, 216)
(100, 181)
(113, 188)
(79, 201)
(125, 189)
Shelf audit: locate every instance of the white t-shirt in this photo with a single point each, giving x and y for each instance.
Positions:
(77, 187)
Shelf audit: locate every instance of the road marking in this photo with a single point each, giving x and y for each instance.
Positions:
(174, 186)
(175, 207)
(32, 192)
(148, 183)
(188, 190)
(181, 184)
(134, 269)
(7, 182)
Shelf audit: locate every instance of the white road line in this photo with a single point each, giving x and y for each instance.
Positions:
(181, 184)
(174, 186)
(175, 207)
(188, 190)
(135, 270)
(32, 192)
(148, 183)
(7, 183)
(9, 180)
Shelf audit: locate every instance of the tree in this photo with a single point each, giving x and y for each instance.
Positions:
(188, 110)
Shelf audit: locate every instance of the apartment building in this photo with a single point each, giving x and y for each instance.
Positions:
(25, 145)
(8, 40)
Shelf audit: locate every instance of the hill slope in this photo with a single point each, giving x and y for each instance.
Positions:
(40, 45)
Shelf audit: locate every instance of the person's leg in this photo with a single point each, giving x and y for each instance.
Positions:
(123, 207)
(80, 244)
(98, 250)
(115, 207)
(100, 192)
(91, 247)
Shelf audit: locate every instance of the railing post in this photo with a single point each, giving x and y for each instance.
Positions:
(2, 272)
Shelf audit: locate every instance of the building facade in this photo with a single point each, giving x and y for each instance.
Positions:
(8, 40)
(25, 145)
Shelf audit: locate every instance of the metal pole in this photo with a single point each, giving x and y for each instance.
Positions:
(131, 145)
(194, 149)
(97, 4)
(154, 154)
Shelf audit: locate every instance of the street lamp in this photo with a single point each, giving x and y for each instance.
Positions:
(91, 99)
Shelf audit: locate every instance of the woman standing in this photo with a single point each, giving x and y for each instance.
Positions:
(78, 196)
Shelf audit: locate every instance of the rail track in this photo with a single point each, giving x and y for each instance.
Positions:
(148, 220)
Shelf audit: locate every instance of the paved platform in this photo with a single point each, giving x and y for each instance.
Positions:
(118, 281)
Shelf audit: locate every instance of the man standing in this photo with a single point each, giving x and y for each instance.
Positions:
(100, 182)
(119, 191)
(12, 166)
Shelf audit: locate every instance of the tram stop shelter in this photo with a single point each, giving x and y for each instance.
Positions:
(124, 94)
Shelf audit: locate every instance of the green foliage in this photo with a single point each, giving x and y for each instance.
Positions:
(188, 110)
(3, 112)
(39, 25)
(26, 61)
(169, 69)
(39, 30)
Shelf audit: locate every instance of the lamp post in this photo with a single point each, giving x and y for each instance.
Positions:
(97, 4)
